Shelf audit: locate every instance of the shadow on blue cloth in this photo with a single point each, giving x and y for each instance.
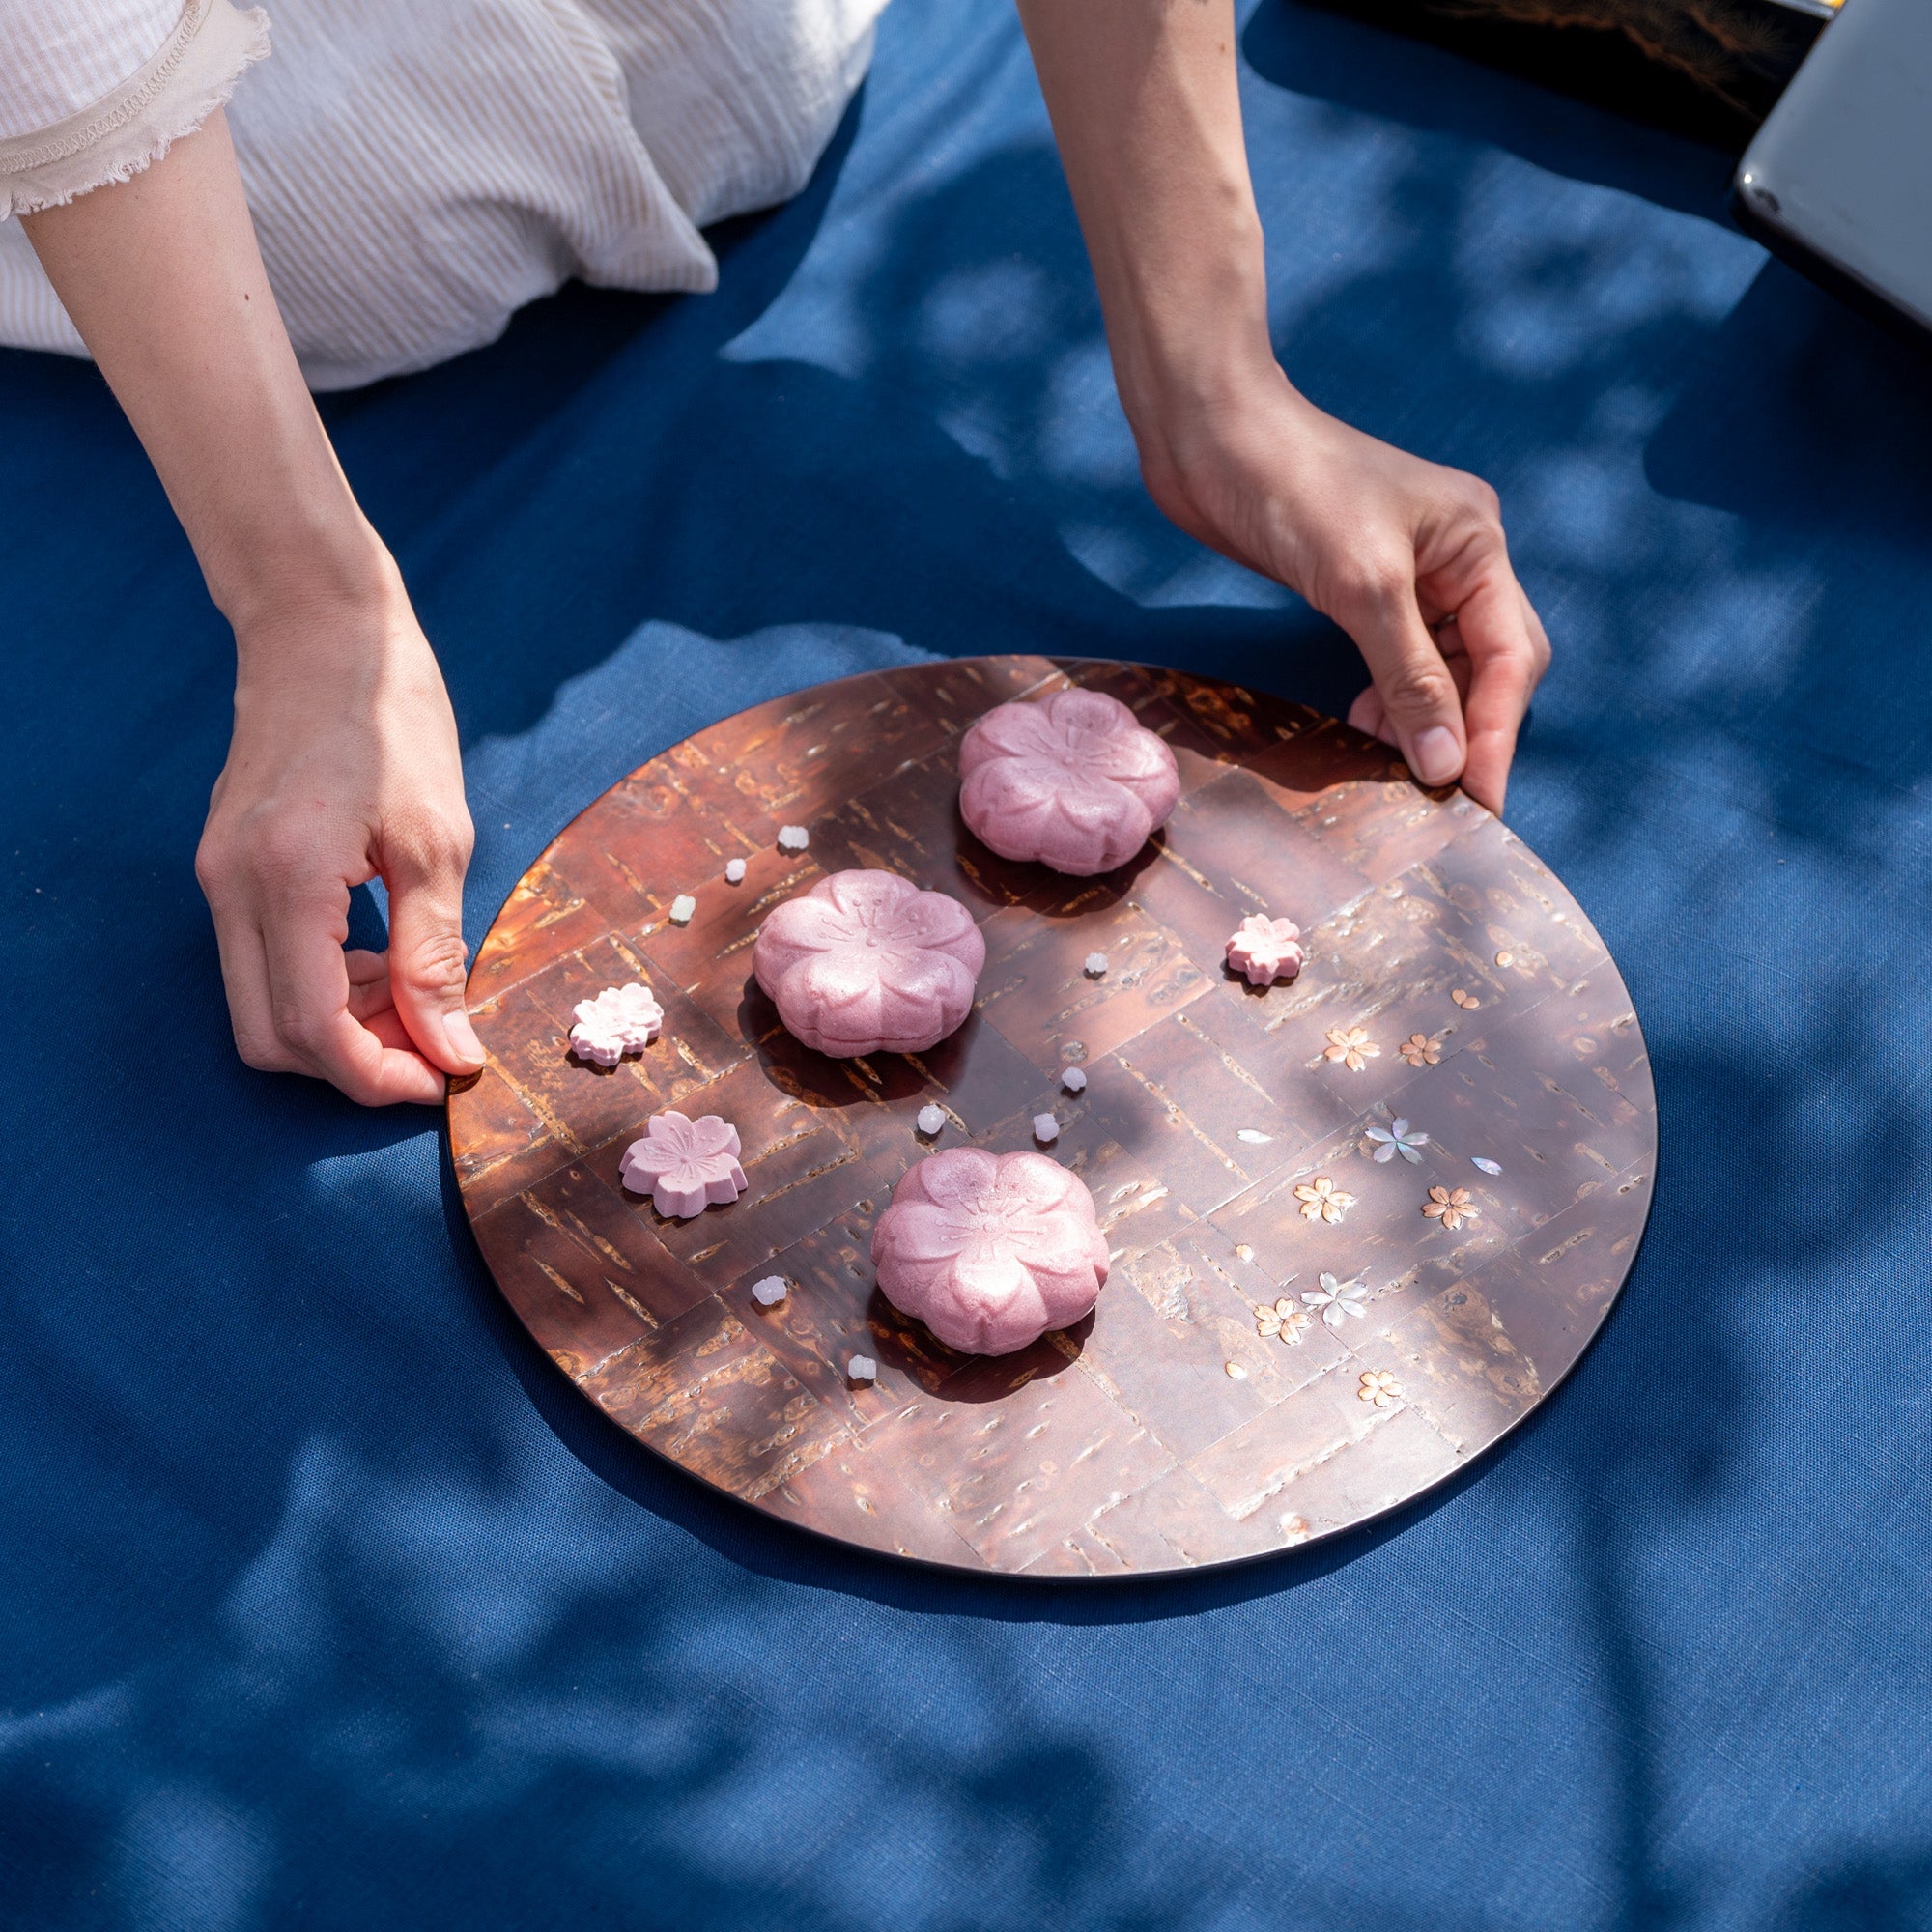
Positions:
(312, 1614)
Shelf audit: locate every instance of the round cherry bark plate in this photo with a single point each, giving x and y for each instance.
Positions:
(1205, 1413)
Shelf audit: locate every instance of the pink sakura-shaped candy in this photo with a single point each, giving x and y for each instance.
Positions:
(1265, 949)
(1076, 782)
(990, 1250)
(685, 1165)
(619, 1020)
(865, 962)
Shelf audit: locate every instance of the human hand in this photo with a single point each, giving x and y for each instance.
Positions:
(1407, 556)
(344, 766)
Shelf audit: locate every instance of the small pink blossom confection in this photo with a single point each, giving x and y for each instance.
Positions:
(685, 1165)
(619, 1020)
(990, 1250)
(1265, 949)
(1076, 782)
(865, 962)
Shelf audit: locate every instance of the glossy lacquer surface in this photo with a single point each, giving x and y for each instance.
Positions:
(1361, 1222)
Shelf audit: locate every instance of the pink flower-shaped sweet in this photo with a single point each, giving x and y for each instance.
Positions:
(1265, 949)
(990, 1250)
(684, 1165)
(619, 1020)
(1076, 782)
(865, 962)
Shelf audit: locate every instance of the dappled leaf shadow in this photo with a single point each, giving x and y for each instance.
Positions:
(303, 1565)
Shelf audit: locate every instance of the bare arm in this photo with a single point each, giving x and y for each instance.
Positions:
(1407, 556)
(344, 762)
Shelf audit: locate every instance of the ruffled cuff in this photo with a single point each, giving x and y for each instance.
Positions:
(132, 127)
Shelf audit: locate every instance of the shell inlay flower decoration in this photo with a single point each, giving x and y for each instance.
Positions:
(1451, 1205)
(1351, 1046)
(619, 1020)
(1338, 1300)
(685, 1165)
(1380, 1387)
(865, 962)
(1077, 781)
(1265, 949)
(990, 1250)
(1286, 1321)
(1419, 1050)
(1464, 999)
(1397, 1138)
(1322, 1201)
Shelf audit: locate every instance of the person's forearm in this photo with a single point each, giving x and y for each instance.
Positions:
(1147, 113)
(344, 763)
(162, 277)
(1407, 557)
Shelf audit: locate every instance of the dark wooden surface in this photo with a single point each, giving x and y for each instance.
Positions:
(1164, 1432)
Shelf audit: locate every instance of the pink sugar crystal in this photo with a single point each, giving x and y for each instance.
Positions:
(1075, 781)
(685, 1165)
(1265, 949)
(865, 962)
(990, 1250)
(619, 1020)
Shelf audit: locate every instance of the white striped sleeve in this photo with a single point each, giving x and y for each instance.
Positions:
(94, 90)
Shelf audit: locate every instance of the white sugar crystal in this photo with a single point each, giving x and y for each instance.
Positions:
(1045, 1129)
(861, 1369)
(931, 1120)
(770, 1292)
(681, 909)
(1096, 964)
(734, 871)
(1073, 1080)
(793, 839)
